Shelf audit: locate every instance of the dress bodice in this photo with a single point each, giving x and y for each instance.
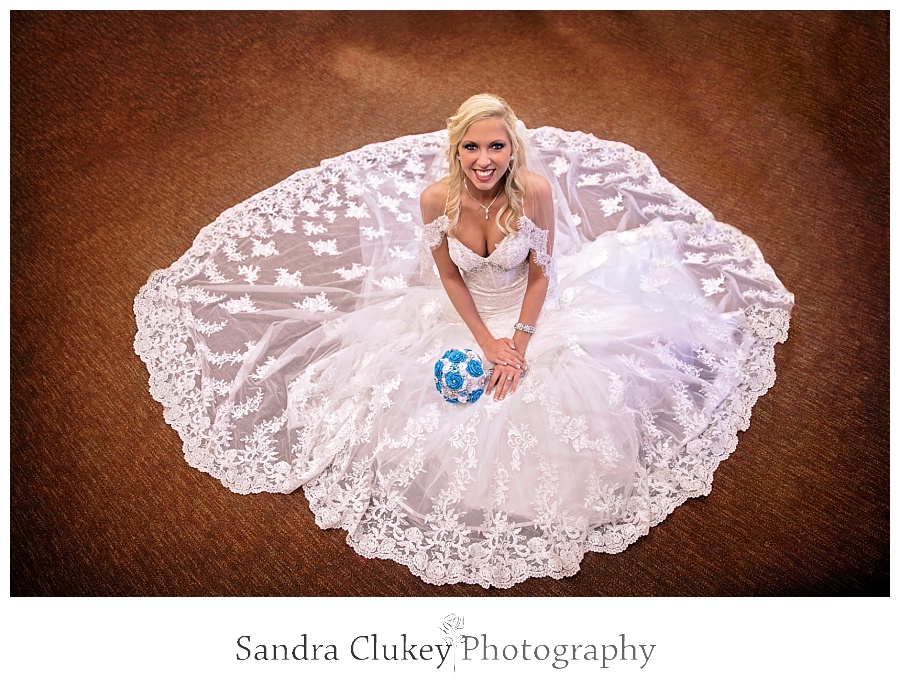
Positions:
(497, 281)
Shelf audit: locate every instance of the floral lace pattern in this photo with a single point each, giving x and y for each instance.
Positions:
(497, 282)
(292, 346)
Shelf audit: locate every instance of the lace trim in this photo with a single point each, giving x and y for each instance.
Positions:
(539, 240)
(433, 233)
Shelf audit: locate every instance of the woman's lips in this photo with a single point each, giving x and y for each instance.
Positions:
(484, 175)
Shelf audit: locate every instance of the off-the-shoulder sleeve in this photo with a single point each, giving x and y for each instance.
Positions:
(539, 241)
(433, 233)
(432, 236)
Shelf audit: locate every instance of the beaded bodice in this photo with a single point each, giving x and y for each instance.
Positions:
(497, 281)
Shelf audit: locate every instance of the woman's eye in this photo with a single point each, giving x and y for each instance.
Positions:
(498, 146)
(469, 146)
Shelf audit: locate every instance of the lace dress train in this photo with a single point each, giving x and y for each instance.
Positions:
(294, 346)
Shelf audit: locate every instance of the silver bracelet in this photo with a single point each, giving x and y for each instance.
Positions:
(528, 329)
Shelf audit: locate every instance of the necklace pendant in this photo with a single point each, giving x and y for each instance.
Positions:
(485, 215)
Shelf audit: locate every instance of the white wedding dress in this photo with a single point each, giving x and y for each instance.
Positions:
(294, 345)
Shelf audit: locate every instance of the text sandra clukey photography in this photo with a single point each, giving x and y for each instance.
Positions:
(454, 649)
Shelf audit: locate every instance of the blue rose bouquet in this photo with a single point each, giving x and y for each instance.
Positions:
(459, 376)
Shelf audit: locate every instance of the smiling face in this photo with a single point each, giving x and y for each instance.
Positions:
(484, 153)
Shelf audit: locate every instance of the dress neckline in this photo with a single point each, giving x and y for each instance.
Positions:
(522, 218)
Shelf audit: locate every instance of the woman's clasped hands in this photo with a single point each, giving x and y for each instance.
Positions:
(509, 364)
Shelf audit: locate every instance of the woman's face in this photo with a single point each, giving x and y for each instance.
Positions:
(484, 153)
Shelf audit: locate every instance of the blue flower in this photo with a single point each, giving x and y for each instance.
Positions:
(451, 400)
(476, 395)
(437, 386)
(438, 369)
(455, 356)
(474, 368)
(454, 380)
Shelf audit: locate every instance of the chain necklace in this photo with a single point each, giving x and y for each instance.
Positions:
(487, 207)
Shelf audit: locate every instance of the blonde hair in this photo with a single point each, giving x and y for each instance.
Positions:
(476, 108)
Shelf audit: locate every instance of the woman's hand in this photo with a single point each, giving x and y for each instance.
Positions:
(502, 352)
(504, 380)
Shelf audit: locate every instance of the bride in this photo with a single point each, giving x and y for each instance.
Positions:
(483, 164)
(625, 336)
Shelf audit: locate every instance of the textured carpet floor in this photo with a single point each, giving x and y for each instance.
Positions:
(131, 131)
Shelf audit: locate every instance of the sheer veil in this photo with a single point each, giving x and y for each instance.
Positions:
(566, 232)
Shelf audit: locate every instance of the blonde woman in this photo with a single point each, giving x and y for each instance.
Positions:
(479, 206)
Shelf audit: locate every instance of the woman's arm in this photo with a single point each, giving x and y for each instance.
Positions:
(539, 208)
(541, 212)
(497, 351)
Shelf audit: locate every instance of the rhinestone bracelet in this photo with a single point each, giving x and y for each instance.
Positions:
(528, 329)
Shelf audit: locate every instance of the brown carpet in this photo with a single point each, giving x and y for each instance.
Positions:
(131, 131)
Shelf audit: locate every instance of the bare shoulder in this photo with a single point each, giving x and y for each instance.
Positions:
(538, 197)
(535, 183)
(433, 200)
